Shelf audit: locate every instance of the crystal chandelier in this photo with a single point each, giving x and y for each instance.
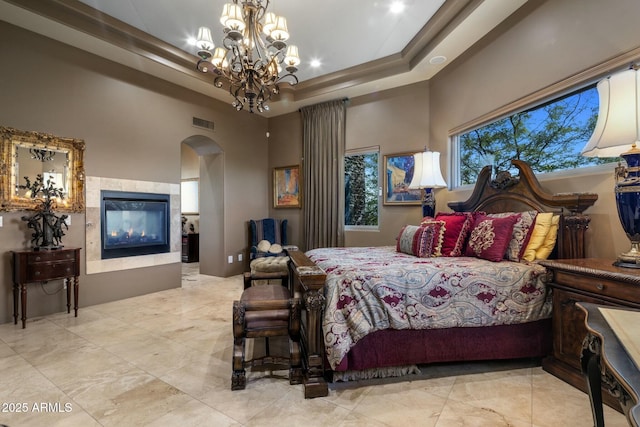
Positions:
(253, 54)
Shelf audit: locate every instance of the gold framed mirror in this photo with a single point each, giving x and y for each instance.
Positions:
(28, 154)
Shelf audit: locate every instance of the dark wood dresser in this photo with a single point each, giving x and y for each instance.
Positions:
(41, 266)
(590, 280)
(190, 247)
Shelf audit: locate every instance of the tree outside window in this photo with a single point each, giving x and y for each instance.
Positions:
(549, 137)
(361, 189)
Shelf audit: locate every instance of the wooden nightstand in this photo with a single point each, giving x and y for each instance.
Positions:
(590, 280)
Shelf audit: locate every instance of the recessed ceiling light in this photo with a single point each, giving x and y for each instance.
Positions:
(436, 60)
(396, 7)
(315, 63)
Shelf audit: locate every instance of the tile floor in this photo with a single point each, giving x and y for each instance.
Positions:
(164, 359)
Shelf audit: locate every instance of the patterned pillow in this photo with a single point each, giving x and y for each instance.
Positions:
(457, 227)
(435, 230)
(490, 237)
(421, 241)
(521, 233)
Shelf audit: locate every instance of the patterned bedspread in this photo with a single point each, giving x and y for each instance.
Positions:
(370, 289)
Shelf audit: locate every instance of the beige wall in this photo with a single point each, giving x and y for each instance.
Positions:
(396, 121)
(133, 126)
(285, 149)
(540, 45)
(555, 40)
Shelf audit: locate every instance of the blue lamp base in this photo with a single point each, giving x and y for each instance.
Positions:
(428, 203)
(627, 193)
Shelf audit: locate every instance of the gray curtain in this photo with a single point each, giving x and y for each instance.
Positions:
(323, 173)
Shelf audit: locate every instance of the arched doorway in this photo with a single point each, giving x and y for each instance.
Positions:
(203, 159)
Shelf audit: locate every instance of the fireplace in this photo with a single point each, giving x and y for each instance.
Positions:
(134, 224)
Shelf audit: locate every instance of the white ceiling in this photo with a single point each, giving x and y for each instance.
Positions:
(362, 46)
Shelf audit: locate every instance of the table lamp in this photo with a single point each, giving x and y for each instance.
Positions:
(617, 134)
(427, 176)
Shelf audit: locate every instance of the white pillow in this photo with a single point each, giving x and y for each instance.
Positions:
(275, 248)
(264, 246)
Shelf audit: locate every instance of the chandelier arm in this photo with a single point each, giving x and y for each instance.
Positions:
(289, 75)
(261, 9)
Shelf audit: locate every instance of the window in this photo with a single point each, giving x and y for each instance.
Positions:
(548, 136)
(361, 188)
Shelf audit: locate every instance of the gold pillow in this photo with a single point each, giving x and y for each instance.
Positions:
(550, 240)
(540, 231)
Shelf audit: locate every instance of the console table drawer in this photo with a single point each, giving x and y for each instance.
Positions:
(48, 256)
(50, 271)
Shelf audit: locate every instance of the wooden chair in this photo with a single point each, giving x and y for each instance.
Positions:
(266, 311)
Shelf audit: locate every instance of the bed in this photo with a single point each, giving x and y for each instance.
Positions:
(375, 312)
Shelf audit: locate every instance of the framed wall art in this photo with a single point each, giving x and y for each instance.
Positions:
(286, 187)
(398, 172)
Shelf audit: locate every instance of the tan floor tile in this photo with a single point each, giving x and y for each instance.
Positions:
(459, 414)
(194, 414)
(142, 405)
(165, 359)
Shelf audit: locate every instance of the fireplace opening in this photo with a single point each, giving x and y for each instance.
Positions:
(134, 224)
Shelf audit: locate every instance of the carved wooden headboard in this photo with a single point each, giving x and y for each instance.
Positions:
(507, 193)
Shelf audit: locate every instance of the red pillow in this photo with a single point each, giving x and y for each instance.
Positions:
(522, 230)
(490, 237)
(457, 226)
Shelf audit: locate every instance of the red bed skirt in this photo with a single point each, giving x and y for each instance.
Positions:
(414, 347)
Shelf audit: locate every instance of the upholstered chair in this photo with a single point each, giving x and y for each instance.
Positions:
(267, 237)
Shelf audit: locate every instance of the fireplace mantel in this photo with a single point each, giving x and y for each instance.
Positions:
(95, 263)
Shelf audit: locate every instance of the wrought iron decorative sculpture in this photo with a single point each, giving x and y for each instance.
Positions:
(47, 226)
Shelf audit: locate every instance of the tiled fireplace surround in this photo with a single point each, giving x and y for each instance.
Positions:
(94, 262)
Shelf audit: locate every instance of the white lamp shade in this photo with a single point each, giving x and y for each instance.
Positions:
(426, 171)
(270, 19)
(219, 59)
(204, 40)
(280, 31)
(291, 57)
(618, 125)
(234, 20)
(225, 14)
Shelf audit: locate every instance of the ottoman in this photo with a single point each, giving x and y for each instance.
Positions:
(267, 269)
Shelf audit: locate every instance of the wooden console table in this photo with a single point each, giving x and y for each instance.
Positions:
(308, 280)
(608, 362)
(41, 266)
